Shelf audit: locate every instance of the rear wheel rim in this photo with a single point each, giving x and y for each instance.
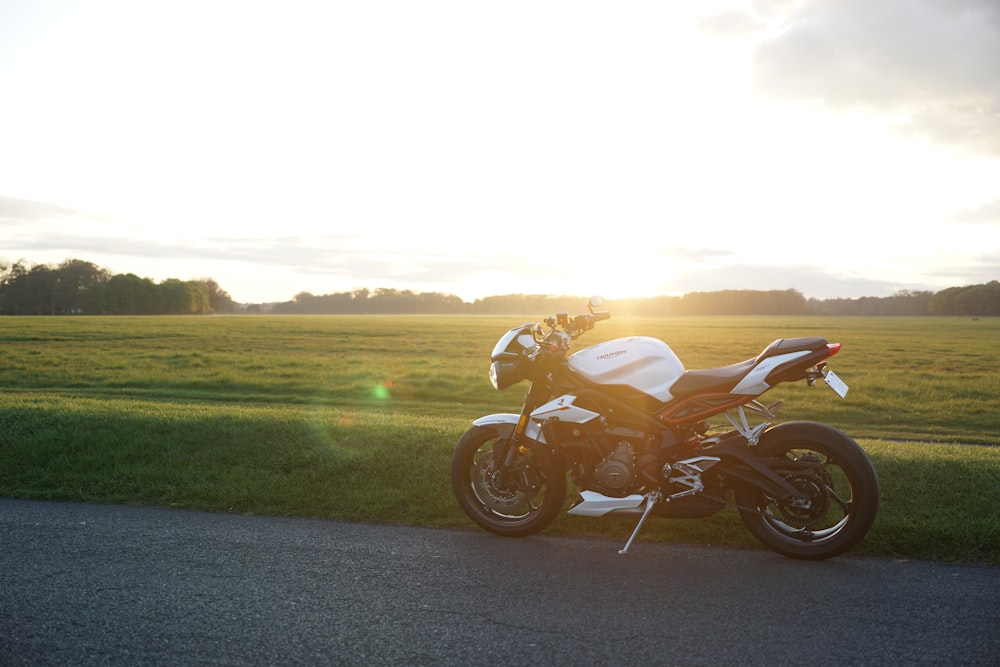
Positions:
(828, 511)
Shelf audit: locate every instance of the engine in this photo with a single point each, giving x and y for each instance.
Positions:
(615, 473)
(614, 460)
(631, 465)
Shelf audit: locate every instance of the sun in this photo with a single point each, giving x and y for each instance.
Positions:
(620, 270)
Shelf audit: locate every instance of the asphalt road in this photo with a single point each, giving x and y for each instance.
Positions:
(121, 585)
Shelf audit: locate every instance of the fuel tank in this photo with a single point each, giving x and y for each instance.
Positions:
(643, 363)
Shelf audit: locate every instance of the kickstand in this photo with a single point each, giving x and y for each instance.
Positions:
(651, 500)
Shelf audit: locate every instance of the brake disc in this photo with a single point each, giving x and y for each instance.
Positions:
(494, 492)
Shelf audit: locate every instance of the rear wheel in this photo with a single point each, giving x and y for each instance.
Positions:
(510, 500)
(839, 483)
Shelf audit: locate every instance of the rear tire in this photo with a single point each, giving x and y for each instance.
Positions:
(842, 485)
(516, 502)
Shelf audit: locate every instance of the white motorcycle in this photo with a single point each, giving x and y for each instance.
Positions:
(629, 424)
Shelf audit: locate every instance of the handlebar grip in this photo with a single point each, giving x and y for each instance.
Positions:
(583, 323)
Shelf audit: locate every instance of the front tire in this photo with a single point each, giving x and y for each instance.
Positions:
(833, 471)
(513, 501)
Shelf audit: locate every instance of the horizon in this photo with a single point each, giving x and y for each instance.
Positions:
(652, 149)
(373, 290)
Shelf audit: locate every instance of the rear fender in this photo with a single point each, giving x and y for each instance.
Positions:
(797, 431)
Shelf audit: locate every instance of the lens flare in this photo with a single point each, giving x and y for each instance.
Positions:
(382, 391)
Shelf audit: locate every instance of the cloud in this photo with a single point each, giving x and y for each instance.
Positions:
(695, 254)
(50, 233)
(930, 66)
(15, 211)
(977, 270)
(988, 214)
(730, 22)
(327, 256)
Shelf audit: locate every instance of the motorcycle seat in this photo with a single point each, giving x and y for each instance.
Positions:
(786, 345)
(722, 380)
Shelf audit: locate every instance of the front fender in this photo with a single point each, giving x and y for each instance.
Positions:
(506, 422)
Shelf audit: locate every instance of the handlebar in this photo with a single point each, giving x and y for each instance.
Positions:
(568, 328)
(584, 323)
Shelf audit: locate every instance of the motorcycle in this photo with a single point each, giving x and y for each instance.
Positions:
(630, 425)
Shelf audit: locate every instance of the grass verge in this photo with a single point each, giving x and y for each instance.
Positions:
(383, 462)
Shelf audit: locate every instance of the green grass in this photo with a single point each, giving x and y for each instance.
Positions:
(355, 417)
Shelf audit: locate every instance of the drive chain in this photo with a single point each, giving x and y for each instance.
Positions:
(732, 503)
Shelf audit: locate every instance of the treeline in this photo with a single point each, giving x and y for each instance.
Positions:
(383, 300)
(362, 301)
(76, 287)
(79, 287)
(967, 301)
(972, 300)
(723, 302)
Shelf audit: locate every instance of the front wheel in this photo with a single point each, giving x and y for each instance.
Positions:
(838, 479)
(517, 495)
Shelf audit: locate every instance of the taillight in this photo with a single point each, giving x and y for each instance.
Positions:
(833, 348)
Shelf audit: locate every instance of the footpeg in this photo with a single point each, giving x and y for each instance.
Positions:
(651, 500)
(690, 471)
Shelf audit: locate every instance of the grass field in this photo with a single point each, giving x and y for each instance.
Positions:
(355, 417)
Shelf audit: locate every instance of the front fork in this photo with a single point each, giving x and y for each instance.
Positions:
(538, 394)
(506, 452)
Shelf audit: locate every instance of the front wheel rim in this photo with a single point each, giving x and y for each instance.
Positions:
(510, 496)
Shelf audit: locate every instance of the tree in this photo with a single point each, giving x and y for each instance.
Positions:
(77, 287)
(219, 300)
(14, 287)
(129, 294)
(77, 283)
(177, 297)
(41, 285)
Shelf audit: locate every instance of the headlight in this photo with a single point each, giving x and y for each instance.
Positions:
(505, 373)
(508, 356)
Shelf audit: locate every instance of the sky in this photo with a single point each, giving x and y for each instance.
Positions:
(843, 148)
